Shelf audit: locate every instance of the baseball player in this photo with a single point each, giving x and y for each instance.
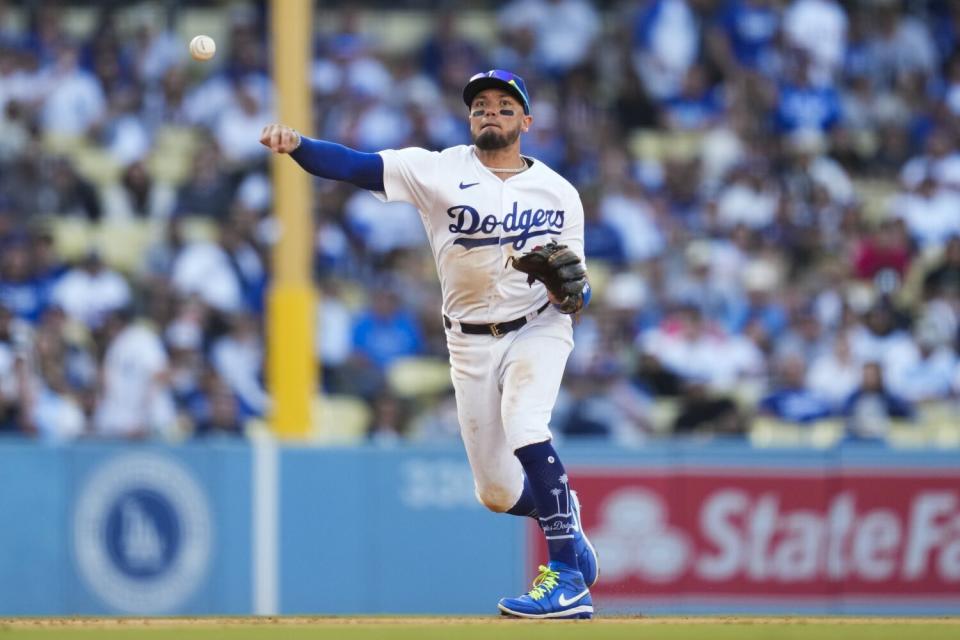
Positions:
(499, 224)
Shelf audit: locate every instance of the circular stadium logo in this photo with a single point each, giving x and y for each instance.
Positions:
(142, 534)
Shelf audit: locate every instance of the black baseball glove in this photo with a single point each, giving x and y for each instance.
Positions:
(559, 269)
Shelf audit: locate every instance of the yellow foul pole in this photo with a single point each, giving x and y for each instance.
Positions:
(291, 368)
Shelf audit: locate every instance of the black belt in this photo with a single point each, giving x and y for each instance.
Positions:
(496, 330)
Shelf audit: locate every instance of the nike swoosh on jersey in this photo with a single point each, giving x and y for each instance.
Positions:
(564, 602)
(467, 186)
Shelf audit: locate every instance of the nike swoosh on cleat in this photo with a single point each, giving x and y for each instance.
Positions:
(565, 603)
(467, 186)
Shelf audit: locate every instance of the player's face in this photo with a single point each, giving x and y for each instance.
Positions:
(496, 120)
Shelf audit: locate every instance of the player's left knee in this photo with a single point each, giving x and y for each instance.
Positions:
(497, 498)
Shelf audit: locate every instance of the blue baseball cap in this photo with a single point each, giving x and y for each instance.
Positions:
(498, 79)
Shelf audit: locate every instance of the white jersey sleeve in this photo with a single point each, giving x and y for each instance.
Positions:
(572, 232)
(410, 175)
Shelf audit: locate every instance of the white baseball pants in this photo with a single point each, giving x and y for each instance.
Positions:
(505, 389)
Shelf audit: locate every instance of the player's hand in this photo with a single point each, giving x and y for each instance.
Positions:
(279, 138)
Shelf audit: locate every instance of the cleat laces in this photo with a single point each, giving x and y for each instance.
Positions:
(543, 583)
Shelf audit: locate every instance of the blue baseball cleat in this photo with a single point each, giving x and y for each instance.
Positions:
(558, 592)
(586, 554)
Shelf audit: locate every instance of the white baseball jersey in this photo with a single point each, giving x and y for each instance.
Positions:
(505, 386)
(475, 221)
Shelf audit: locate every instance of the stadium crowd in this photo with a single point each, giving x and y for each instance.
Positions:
(772, 192)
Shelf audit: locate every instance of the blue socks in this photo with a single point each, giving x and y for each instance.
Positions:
(547, 487)
(525, 505)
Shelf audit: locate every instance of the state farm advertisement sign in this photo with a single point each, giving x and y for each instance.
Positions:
(772, 533)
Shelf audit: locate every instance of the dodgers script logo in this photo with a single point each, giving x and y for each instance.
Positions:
(517, 226)
(142, 534)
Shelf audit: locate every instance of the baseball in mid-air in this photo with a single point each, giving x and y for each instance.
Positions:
(202, 47)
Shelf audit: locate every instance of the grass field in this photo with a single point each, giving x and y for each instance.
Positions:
(417, 628)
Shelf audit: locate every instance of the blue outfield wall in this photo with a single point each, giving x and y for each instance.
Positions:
(144, 529)
(390, 531)
(42, 542)
(114, 529)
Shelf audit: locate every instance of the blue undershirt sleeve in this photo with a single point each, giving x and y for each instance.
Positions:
(337, 162)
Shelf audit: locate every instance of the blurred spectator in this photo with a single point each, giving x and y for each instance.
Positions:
(790, 399)
(64, 192)
(761, 282)
(75, 100)
(811, 168)
(238, 359)
(927, 374)
(217, 411)
(239, 126)
(91, 290)
(228, 275)
(163, 251)
(57, 413)
(184, 339)
(666, 43)
(705, 415)
(21, 291)
(900, 45)
(803, 336)
(155, 51)
(208, 190)
(382, 227)
(871, 407)
(940, 162)
(139, 196)
(724, 146)
(135, 399)
(700, 352)
(14, 126)
(886, 248)
(601, 240)
(819, 29)
(929, 212)
(385, 331)
(802, 104)
(952, 97)
(703, 284)
(438, 422)
(881, 339)
(334, 327)
(835, 374)
(448, 55)
(749, 199)
(697, 106)
(546, 140)
(943, 277)
(604, 404)
(389, 422)
(590, 413)
(564, 30)
(14, 398)
(165, 102)
(623, 206)
(123, 131)
(747, 32)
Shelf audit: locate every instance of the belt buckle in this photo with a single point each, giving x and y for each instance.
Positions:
(495, 331)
